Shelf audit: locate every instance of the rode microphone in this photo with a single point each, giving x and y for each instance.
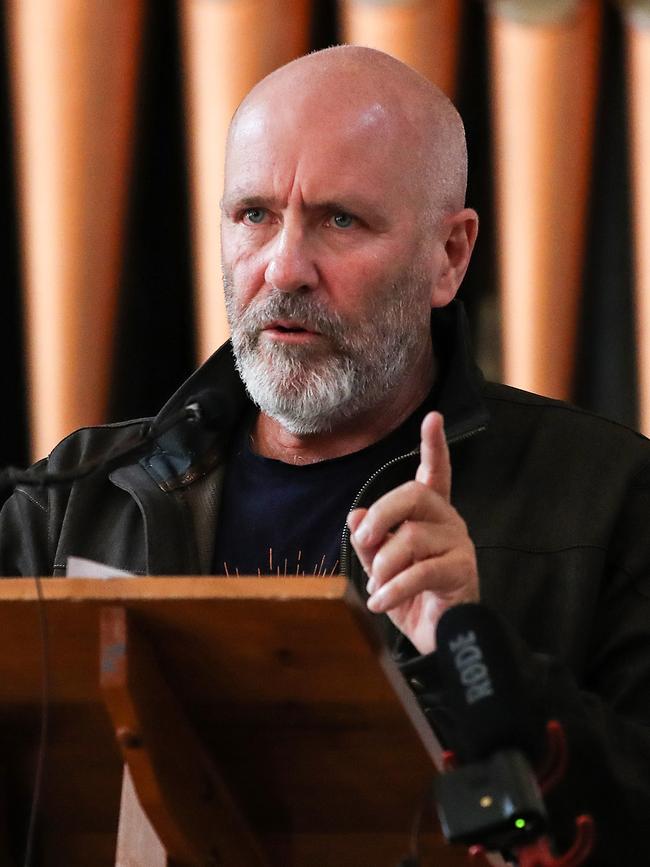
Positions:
(493, 799)
(483, 687)
(205, 409)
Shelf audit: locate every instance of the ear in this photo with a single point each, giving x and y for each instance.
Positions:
(458, 236)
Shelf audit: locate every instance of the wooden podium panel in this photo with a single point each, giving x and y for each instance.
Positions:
(321, 743)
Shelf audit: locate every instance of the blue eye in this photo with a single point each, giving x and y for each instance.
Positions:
(343, 221)
(255, 215)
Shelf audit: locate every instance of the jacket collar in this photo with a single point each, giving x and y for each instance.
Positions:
(189, 450)
(460, 381)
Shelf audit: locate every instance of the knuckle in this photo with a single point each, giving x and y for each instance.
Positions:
(377, 514)
(379, 564)
(424, 574)
(408, 534)
(412, 488)
(465, 566)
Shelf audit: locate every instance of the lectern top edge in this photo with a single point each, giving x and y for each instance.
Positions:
(176, 587)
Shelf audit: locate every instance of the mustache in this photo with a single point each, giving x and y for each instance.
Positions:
(304, 309)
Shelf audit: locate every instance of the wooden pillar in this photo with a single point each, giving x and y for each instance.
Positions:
(544, 80)
(422, 33)
(638, 56)
(229, 45)
(73, 65)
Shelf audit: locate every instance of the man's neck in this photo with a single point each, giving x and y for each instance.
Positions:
(271, 440)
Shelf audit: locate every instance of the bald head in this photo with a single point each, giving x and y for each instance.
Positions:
(354, 89)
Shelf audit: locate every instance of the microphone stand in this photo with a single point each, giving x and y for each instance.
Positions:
(538, 852)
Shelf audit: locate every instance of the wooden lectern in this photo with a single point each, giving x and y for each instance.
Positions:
(260, 720)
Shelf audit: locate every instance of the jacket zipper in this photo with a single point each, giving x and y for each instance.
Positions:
(345, 536)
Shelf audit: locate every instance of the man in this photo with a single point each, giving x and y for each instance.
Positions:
(343, 227)
(330, 275)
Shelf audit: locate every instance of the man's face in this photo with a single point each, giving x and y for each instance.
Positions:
(328, 262)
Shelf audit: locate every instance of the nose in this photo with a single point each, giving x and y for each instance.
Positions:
(291, 266)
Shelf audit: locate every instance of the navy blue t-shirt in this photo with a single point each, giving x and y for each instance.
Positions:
(286, 519)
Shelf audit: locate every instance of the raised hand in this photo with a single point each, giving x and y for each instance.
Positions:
(415, 546)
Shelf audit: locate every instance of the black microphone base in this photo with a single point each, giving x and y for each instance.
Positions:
(496, 803)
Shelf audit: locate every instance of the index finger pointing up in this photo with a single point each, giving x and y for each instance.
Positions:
(435, 467)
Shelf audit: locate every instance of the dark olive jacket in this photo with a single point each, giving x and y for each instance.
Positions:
(556, 500)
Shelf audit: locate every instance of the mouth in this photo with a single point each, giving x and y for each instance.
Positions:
(286, 330)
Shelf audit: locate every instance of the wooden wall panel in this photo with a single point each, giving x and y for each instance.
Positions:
(638, 48)
(73, 67)
(228, 46)
(544, 80)
(422, 33)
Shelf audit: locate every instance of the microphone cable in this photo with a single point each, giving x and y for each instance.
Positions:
(44, 726)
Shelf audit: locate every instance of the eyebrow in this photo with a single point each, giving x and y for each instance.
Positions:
(360, 206)
(241, 201)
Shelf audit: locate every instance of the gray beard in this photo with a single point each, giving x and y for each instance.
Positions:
(312, 389)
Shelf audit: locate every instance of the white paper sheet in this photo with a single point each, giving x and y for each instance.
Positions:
(79, 567)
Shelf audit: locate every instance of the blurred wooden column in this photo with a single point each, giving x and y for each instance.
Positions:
(73, 66)
(638, 61)
(229, 45)
(422, 33)
(544, 56)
